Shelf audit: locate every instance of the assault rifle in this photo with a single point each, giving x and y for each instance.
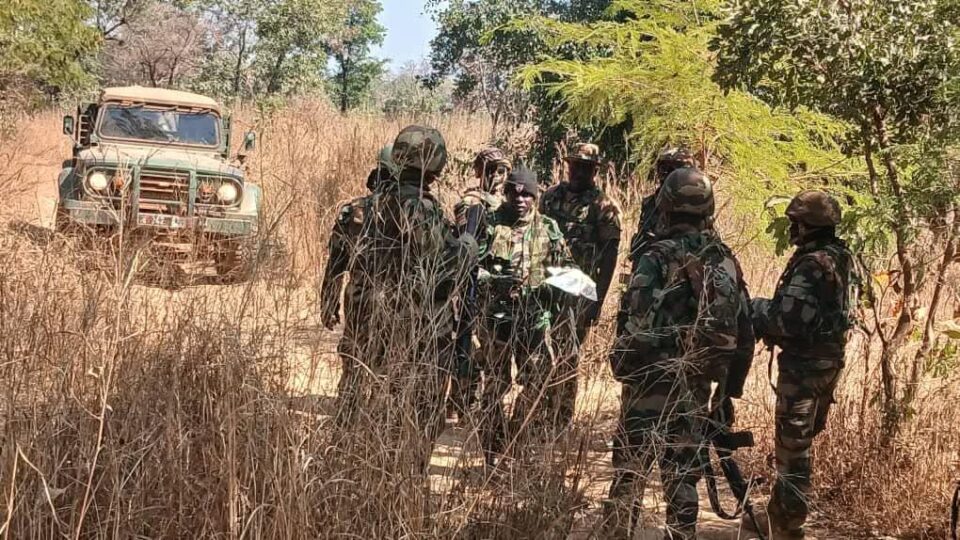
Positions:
(468, 312)
(724, 443)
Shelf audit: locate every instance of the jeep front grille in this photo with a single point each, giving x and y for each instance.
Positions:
(164, 191)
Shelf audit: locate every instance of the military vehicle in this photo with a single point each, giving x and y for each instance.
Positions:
(156, 164)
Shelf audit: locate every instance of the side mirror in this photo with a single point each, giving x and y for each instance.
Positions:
(249, 141)
(68, 125)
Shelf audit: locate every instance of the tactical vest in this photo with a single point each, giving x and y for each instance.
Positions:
(837, 296)
(578, 219)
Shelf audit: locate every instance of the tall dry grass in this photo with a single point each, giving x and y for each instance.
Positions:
(137, 412)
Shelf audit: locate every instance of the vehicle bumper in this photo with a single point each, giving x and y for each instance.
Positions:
(94, 214)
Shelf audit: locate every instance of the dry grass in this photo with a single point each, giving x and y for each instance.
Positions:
(138, 412)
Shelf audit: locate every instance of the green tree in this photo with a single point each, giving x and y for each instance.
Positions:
(652, 74)
(891, 70)
(350, 49)
(45, 45)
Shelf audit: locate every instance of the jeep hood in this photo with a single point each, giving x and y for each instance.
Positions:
(158, 158)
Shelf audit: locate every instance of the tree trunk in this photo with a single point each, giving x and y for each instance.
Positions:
(893, 406)
(344, 80)
(238, 68)
(274, 85)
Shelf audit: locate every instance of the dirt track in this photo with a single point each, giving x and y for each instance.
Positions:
(31, 210)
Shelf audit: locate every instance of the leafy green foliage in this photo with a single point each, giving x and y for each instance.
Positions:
(656, 74)
(45, 44)
(356, 70)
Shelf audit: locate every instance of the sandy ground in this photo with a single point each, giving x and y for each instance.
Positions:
(32, 210)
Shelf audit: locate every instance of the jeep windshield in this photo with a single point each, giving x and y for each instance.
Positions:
(160, 125)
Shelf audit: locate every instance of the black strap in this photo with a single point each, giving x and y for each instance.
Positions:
(955, 514)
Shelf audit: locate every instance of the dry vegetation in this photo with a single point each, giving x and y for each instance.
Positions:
(137, 412)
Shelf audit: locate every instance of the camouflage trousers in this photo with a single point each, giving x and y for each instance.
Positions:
(663, 422)
(572, 331)
(502, 345)
(398, 360)
(803, 402)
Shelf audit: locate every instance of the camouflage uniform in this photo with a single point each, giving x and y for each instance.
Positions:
(408, 266)
(590, 222)
(347, 228)
(517, 319)
(677, 331)
(668, 161)
(808, 318)
(484, 199)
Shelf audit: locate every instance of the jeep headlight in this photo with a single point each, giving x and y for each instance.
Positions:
(97, 181)
(228, 193)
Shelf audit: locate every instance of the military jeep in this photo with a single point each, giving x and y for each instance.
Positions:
(156, 164)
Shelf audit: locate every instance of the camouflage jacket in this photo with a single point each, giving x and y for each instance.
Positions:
(408, 245)
(516, 260)
(347, 228)
(644, 235)
(590, 222)
(681, 311)
(810, 313)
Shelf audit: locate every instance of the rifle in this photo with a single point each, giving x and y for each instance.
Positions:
(468, 315)
(725, 442)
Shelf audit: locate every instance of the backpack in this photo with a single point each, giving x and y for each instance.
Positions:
(722, 333)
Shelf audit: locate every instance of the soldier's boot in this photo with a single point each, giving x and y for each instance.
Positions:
(771, 530)
(616, 519)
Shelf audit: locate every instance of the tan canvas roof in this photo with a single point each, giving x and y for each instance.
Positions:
(160, 96)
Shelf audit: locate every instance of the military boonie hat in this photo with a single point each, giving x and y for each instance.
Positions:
(524, 178)
(422, 148)
(687, 191)
(585, 152)
(676, 156)
(815, 208)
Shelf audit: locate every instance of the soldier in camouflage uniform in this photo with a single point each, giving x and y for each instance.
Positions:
(519, 310)
(491, 168)
(590, 222)
(409, 266)
(808, 318)
(343, 239)
(677, 331)
(668, 161)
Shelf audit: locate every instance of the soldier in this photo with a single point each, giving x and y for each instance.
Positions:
(668, 161)
(677, 331)
(409, 265)
(808, 318)
(520, 245)
(491, 168)
(343, 238)
(590, 222)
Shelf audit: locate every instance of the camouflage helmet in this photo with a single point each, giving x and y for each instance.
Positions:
(586, 152)
(686, 191)
(490, 155)
(385, 157)
(421, 148)
(814, 208)
(673, 158)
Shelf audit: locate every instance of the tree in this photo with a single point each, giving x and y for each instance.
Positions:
(403, 93)
(45, 46)
(654, 78)
(890, 69)
(350, 49)
(159, 47)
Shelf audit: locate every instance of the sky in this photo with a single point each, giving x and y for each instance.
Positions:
(409, 31)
